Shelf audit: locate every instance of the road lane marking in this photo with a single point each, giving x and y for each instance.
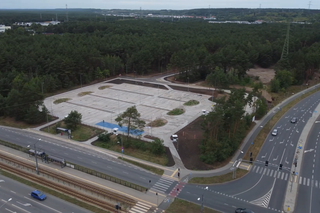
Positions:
(21, 208)
(87, 181)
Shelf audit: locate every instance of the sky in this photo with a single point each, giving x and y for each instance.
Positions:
(156, 4)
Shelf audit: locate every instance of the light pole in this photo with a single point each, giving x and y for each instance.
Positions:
(157, 197)
(5, 202)
(35, 155)
(202, 200)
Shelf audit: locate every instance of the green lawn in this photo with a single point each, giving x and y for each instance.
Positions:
(182, 206)
(218, 179)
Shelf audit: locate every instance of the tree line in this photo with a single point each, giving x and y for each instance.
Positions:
(38, 60)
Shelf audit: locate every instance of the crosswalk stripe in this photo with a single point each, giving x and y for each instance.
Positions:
(268, 171)
(304, 181)
(143, 204)
(136, 211)
(308, 182)
(275, 174)
(254, 167)
(166, 180)
(286, 176)
(279, 173)
(316, 183)
(160, 184)
(264, 171)
(261, 170)
(271, 173)
(282, 176)
(300, 180)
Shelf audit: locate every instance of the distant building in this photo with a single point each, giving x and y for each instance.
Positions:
(28, 24)
(4, 28)
(210, 18)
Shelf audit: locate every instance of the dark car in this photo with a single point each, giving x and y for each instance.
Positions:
(243, 210)
(38, 195)
(294, 120)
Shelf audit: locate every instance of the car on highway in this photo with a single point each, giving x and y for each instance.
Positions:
(243, 210)
(274, 132)
(294, 120)
(38, 195)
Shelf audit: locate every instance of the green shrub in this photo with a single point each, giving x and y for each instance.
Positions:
(105, 137)
(157, 147)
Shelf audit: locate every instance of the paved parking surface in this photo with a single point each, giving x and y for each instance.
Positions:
(152, 103)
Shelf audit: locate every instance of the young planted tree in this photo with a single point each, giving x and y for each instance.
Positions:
(131, 119)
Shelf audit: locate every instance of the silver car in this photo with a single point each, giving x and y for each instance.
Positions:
(274, 132)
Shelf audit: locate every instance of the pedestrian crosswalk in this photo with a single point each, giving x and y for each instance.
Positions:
(162, 185)
(283, 175)
(309, 182)
(140, 208)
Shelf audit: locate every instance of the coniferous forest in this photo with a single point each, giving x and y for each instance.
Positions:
(38, 60)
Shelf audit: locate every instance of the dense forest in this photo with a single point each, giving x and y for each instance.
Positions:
(39, 60)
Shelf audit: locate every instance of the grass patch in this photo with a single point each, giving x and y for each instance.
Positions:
(179, 205)
(265, 131)
(61, 100)
(157, 123)
(9, 121)
(84, 93)
(47, 190)
(149, 168)
(191, 103)
(176, 111)
(140, 153)
(218, 179)
(103, 87)
(82, 133)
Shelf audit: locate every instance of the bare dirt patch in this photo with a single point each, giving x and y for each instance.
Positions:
(265, 75)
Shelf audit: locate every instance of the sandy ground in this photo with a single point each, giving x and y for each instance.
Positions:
(265, 75)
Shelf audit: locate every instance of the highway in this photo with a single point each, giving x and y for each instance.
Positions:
(265, 186)
(308, 198)
(22, 202)
(84, 157)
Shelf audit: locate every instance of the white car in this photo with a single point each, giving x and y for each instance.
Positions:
(274, 132)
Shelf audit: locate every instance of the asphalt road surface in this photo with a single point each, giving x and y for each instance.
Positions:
(308, 198)
(83, 157)
(262, 190)
(22, 202)
(265, 186)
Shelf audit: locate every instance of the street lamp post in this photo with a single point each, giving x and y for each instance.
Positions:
(5, 202)
(202, 199)
(35, 156)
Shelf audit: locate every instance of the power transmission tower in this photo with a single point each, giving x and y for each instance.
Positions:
(67, 12)
(285, 50)
(309, 4)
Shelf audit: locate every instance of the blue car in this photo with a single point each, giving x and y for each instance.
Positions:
(38, 195)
